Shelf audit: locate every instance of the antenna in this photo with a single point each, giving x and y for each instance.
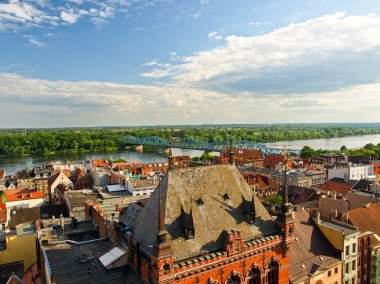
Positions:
(231, 149)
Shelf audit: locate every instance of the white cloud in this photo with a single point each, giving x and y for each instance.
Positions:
(16, 15)
(34, 41)
(69, 17)
(326, 53)
(214, 35)
(182, 104)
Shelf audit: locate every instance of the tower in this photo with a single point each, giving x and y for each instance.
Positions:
(285, 220)
(162, 257)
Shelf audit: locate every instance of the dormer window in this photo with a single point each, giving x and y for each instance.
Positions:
(200, 202)
(226, 197)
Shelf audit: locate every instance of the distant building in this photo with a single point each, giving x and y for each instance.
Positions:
(242, 156)
(261, 185)
(352, 172)
(54, 181)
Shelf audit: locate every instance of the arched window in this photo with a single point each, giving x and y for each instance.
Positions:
(234, 279)
(273, 271)
(254, 276)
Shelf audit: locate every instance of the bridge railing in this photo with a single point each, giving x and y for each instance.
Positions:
(196, 144)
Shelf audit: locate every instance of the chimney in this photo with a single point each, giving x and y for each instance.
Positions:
(335, 214)
(318, 217)
(333, 194)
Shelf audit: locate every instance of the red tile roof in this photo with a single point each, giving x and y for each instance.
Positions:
(338, 187)
(25, 196)
(99, 163)
(2, 173)
(239, 153)
(272, 160)
(263, 181)
(366, 218)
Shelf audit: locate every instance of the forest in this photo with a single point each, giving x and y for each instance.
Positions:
(18, 142)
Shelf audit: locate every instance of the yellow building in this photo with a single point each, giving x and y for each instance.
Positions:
(18, 249)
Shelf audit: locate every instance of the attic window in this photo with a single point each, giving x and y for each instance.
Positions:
(200, 202)
(226, 197)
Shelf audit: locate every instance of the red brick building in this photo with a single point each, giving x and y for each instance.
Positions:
(368, 221)
(81, 179)
(261, 185)
(205, 225)
(242, 156)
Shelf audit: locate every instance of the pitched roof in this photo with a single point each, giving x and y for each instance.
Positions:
(366, 218)
(243, 153)
(299, 194)
(337, 186)
(181, 189)
(262, 181)
(311, 250)
(53, 178)
(273, 160)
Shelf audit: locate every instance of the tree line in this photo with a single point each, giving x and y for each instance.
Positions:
(48, 141)
(370, 151)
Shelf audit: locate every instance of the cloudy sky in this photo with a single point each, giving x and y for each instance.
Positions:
(149, 62)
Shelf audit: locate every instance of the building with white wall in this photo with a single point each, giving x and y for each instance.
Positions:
(352, 172)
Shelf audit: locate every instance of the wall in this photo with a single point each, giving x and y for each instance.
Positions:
(20, 248)
(338, 173)
(334, 278)
(27, 203)
(375, 269)
(335, 237)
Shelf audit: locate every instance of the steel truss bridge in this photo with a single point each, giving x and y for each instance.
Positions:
(195, 144)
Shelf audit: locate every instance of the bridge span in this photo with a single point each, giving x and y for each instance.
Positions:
(195, 144)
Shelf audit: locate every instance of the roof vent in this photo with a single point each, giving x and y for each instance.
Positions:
(303, 266)
(321, 258)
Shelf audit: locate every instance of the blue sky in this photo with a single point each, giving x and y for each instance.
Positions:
(132, 62)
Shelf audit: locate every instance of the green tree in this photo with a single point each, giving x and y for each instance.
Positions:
(307, 152)
(343, 148)
(275, 199)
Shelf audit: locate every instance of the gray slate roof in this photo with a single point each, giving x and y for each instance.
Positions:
(181, 188)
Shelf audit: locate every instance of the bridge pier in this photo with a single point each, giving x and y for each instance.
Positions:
(139, 148)
(166, 152)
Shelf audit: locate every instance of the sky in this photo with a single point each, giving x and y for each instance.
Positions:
(84, 63)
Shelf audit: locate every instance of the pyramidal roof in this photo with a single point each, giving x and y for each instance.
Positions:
(204, 190)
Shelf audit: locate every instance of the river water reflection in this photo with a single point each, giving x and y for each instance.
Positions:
(12, 165)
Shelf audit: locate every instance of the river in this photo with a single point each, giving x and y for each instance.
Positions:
(329, 143)
(12, 165)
